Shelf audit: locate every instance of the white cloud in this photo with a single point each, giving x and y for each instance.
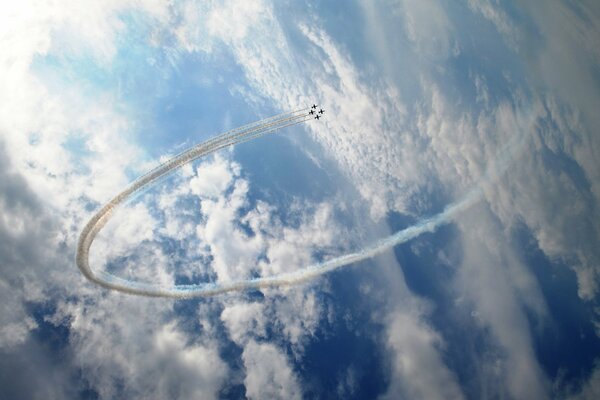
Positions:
(493, 281)
(293, 312)
(37, 121)
(128, 228)
(224, 206)
(191, 371)
(234, 19)
(118, 343)
(417, 367)
(118, 339)
(28, 238)
(213, 178)
(15, 323)
(287, 246)
(566, 66)
(244, 320)
(292, 316)
(297, 315)
(268, 373)
(235, 253)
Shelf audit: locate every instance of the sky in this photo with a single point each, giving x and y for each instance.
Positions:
(480, 114)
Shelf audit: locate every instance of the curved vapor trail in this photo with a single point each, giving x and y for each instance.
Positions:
(236, 136)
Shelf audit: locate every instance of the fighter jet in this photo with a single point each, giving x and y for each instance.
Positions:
(314, 107)
(317, 116)
(321, 111)
(311, 112)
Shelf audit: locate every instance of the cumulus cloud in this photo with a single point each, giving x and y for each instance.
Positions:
(244, 321)
(129, 228)
(272, 247)
(235, 253)
(268, 373)
(417, 368)
(213, 178)
(23, 222)
(192, 371)
(245, 238)
(141, 347)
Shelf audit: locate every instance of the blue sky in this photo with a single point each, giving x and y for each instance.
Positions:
(422, 99)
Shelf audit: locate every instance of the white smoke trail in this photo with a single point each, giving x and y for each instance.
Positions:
(236, 136)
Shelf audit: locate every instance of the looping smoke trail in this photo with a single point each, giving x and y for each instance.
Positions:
(233, 137)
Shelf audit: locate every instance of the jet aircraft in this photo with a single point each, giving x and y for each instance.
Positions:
(311, 112)
(321, 111)
(317, 116)
(314, 107)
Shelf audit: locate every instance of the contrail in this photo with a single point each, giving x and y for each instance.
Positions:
(233, 137)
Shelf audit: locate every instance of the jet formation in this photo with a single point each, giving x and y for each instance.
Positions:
(317, 114)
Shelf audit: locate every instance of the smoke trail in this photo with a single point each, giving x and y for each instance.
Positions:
(236, 136)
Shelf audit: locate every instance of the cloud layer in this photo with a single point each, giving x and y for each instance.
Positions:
(423, 95)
